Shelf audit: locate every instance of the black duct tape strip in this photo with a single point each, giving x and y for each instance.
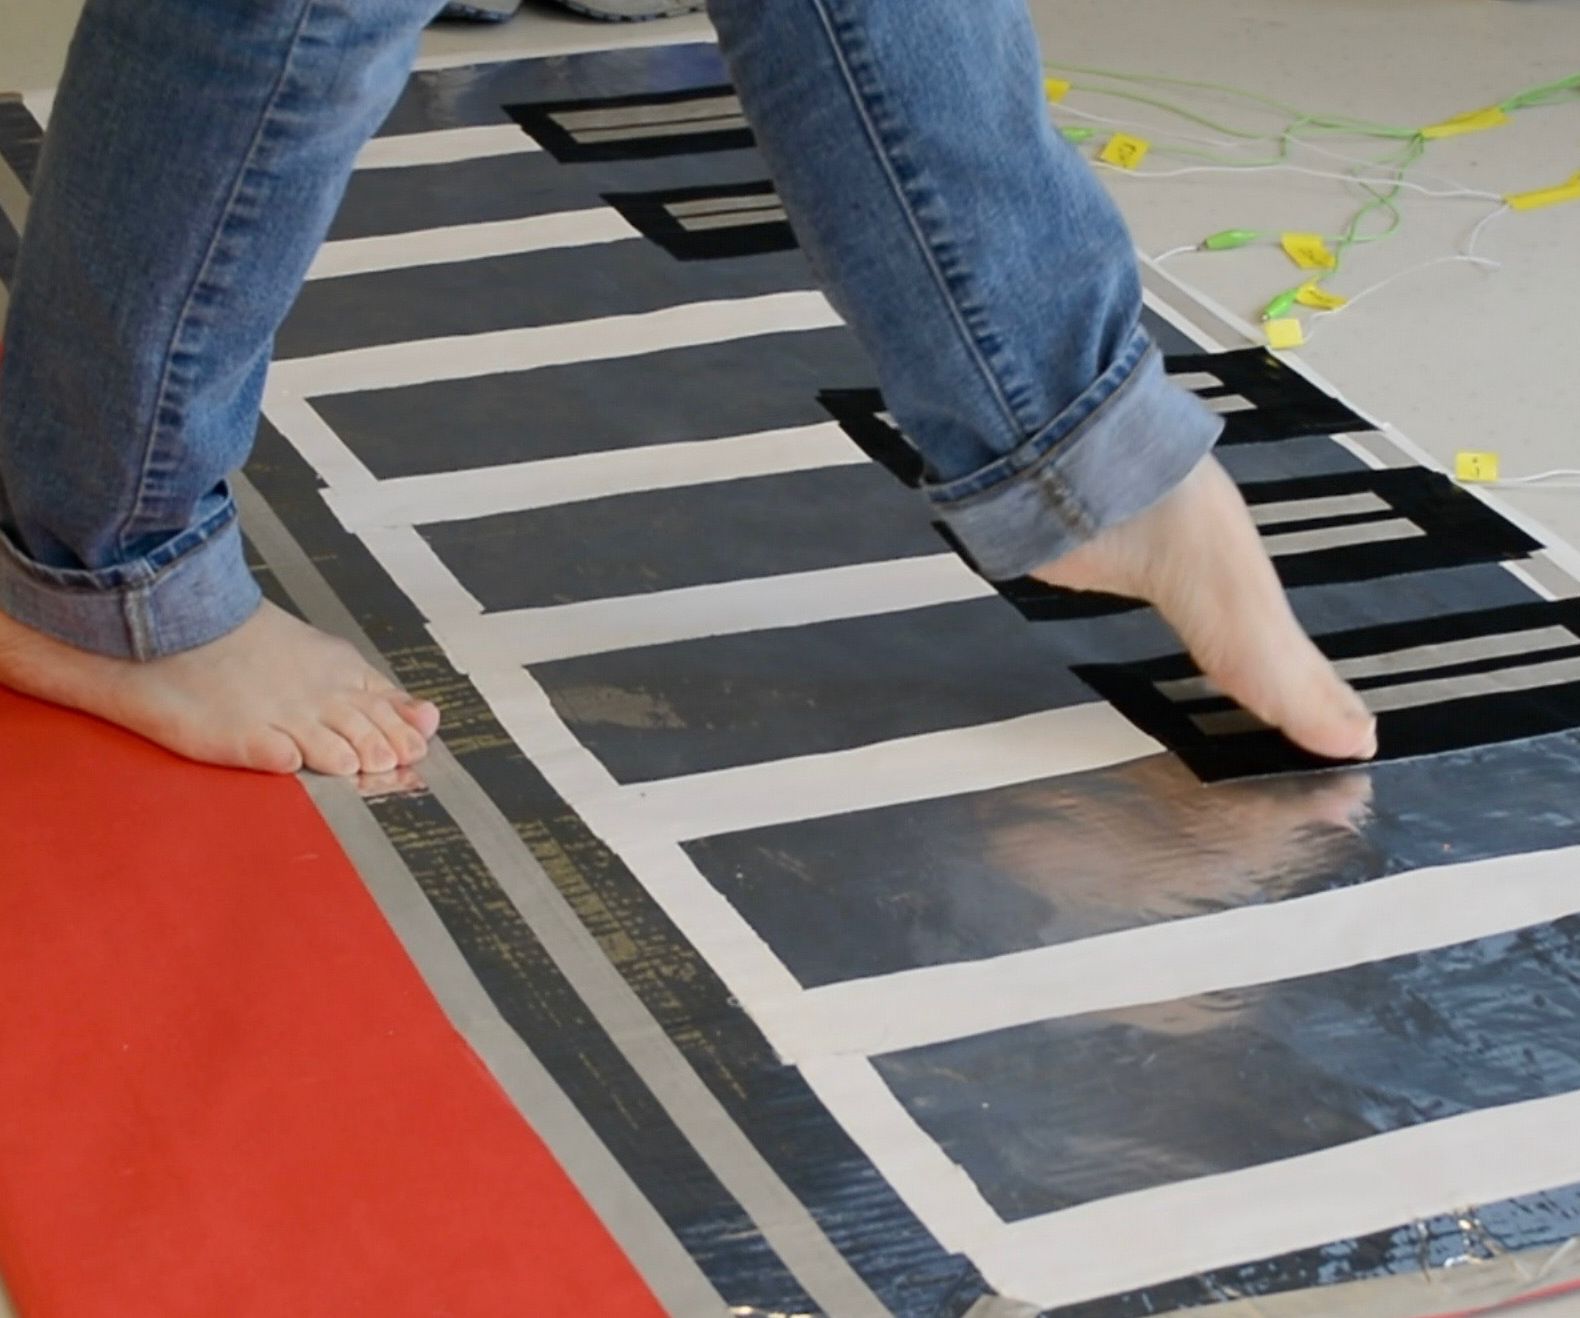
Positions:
(1285, 404)
(21, 139)
(650, 214)
(1458, 530)
(10, 243)
(860, 413)
(1433, 725)
(541, 122)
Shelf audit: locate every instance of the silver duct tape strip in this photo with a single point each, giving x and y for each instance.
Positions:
(1339, 537)
(688, 128)
(763, 201)
(646, 115)
(1471, 1286)
(1428, 691)
(1474, 649)
(1332, 505)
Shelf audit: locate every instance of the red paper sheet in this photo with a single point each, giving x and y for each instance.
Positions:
(225, 1089)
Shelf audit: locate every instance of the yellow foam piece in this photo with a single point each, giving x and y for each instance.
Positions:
(1471, 121)
(1285, 333)
(1530, 201)
(1314, 295)
(1125, 151)
(1056, 89)
(1476, 466)
(1309, 251)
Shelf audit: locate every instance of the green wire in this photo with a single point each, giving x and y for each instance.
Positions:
(1337, 123)
(1549, 93)
(1158, 103)
(1384, 193)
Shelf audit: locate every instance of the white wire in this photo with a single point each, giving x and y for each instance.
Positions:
(1467, 257)
(1175, 251)
(1469, 193)
(1373, 164)
(1228, 144)
(1557, 473)
(1458, 258)
(1481, 228)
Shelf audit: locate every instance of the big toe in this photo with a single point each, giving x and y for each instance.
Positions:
(422, 716)
(1336, 737)
(1332, 722)
(387, 713)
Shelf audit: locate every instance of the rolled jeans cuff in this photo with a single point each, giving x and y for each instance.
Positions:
(192, 590)
(1123, 445)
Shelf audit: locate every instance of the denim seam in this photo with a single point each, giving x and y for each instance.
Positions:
(880, 149)
(1046, 448)
(187, 319)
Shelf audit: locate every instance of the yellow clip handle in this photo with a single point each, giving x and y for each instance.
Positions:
(1314, 295)
(1531, 201)
(1309, 251)
(1125, 151)
(1472, 121)
(1286, 333)
(1471, 467)
(1056, 89)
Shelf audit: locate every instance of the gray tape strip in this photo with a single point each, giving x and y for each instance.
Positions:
(1428, 691)
(643, 1235)
(1380, 448)
(1551, 576)
(1473, 649)
(765, 201)
(1337, 537)
(996, 1306)
(1477, 1284)
(1160, 290)
(686, 128)
(1330, 505)
(732, 220)
(784, 1221)
(643, 114)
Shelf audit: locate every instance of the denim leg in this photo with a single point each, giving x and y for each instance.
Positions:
(197, 152)
(976, 257)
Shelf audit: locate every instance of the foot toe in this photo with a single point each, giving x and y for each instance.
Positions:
(374, 752)
(420, 715)
(384, 711)
(270, 751)
(323, 749)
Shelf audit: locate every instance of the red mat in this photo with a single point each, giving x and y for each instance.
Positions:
(224, 1090)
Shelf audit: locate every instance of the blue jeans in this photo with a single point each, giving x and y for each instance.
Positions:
(198, 151)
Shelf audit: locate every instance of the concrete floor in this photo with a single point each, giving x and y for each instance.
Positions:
(1455, 357)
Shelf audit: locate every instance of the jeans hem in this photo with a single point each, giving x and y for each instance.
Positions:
(136, 611)
(1134, 442)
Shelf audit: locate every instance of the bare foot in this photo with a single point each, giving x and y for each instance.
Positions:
(274, 695)
(1197, 557)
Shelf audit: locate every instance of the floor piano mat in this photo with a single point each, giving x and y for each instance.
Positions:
(859, 936)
